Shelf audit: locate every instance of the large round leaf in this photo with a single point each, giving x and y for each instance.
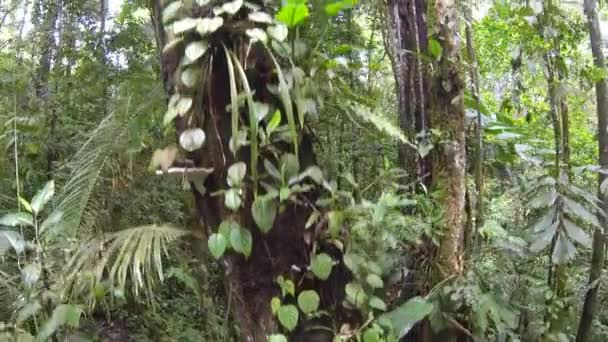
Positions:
(288, 316)
(192, 139)
(308, 301)
(321, 266)
(217, 245)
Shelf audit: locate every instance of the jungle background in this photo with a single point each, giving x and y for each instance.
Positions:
(303, 170)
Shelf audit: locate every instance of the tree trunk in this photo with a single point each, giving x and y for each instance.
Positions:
(286, 249)
(406, 42)
(598, 254)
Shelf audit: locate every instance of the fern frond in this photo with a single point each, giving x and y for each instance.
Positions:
(133, 254)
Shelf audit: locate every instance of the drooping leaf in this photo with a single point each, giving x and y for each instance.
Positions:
(192, 139)
(544, 199)
(321, 266)
(9, 238)
(43, 196)
(308, 301)
(236, 174)
(63, 315)
(217, 245)
(546, 221)
(573, 207)
(288, 316)
(264, 211)
(564, 250)
(406, 315)
(26, 205)
(577, 233)
(241, 240)
(544, 238)
(17, 219)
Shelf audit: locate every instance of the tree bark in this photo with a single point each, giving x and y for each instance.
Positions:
(250, 283)
(598, 252)
(406, 42)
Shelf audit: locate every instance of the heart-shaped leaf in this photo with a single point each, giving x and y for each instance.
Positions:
(241, 240)
(217, 245)
(232, 199)
(308, 301)
(288, 316)
(192, 139)
(321, 266)
(257, 34)
(236, 174)
(264, 211)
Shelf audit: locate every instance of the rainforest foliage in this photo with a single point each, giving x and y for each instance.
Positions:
(303, 170)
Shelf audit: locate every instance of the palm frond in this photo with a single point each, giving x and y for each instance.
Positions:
(86, 166)
(133, 254)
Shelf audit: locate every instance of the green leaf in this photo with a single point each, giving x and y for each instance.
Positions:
(192, 139)
(577, 233)
(374, 281)
(241, 240)
(27, 311)
(195, 50)
(405, 316)
(333, 9)
(336, 218)
(564, 250)
(225, 228)
(17, 219)
(543, 200)
(275, 304)
(377, 303)
(272, 170)
(356, 294)
(9, 238)
(232, 199)
(290, 166)
(43, 196)
(292, 13)
(308, 301)
(217, 245)
(288, 316)
(236, 174)
(287, 287)
(264, 211)
(435, 48)
(63, 315)
(372, 335)
(574, 208)
(277, 338)
(544, 238)
(26, 204)
(321, 266)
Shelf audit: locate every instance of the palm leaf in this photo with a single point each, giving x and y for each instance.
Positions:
(133, 255)
(87, 165)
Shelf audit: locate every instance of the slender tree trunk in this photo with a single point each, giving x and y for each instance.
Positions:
(598, 253)
(450, 165)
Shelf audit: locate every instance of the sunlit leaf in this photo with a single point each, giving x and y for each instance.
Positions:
(9, 238)
(260, 17)
(236, 174)
(577, 233)
(17, 219)
(292, 13)
(43, 196)
(232, 199)
(278, 32)
(170, 11)
(543, 200)
(184, 25)
(209, 25)
(195, 50)
(189, 77)
(192, 139)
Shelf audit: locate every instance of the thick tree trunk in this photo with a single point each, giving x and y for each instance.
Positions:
(406, 42)
(450, 165)
(598, 254)
(285, 251)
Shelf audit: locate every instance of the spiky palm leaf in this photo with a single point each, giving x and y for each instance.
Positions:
(133, 254)
(87, 165)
